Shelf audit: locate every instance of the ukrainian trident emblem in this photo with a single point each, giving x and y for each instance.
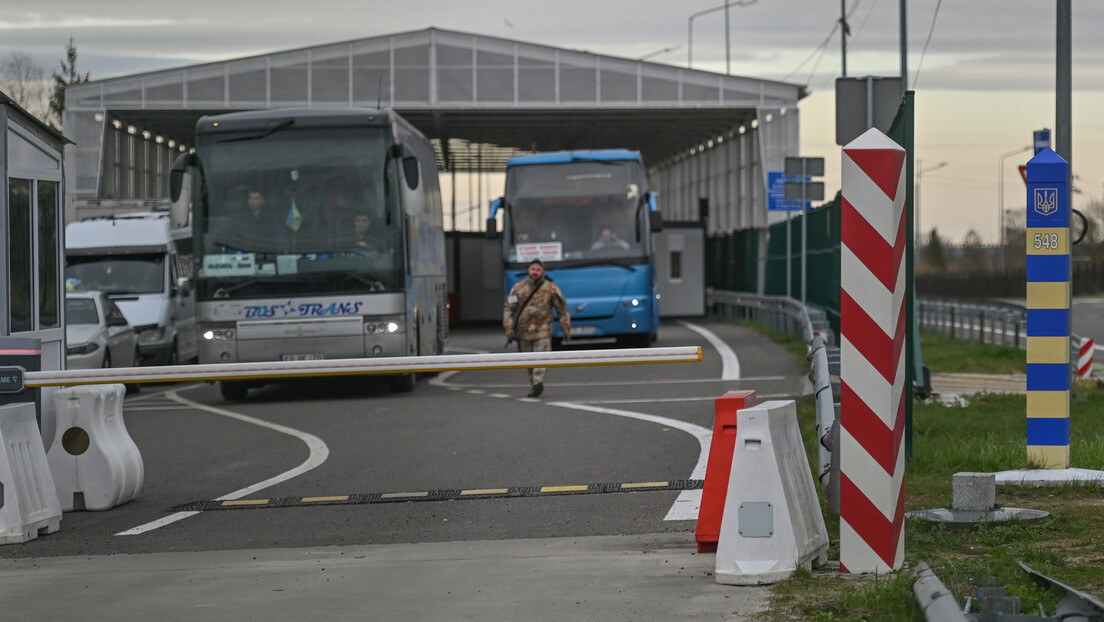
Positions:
(1046, 201)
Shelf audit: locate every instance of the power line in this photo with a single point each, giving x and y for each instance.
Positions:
(931, 30)
(819, 50)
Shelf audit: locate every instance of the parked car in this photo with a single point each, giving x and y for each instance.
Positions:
(97, 334)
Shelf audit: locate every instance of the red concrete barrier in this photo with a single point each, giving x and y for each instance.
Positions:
(717, 470)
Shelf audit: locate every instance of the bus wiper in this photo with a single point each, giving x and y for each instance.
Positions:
(272, 128)
(224, 292)
(604, 262)
(373, 284)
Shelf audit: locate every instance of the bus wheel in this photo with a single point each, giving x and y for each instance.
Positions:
(401, 383)
(233, 390)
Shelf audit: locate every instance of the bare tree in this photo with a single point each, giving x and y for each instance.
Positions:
(25, 82)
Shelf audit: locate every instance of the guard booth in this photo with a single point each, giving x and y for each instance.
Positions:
(31, 303)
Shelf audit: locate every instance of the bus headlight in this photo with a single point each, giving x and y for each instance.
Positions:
(636, 302)
(218, 334)
(384, 325)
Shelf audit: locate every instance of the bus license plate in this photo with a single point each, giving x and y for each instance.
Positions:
(303, 357)
(577, 331)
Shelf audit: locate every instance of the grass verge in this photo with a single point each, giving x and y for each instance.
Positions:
(987, 434)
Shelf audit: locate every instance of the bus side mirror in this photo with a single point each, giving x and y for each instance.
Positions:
(180, 189)
(409, 164)
(655, 219)
(492, 224)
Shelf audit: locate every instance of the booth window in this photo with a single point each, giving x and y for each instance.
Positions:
(19, 255)
(676, 266)
(49, 236)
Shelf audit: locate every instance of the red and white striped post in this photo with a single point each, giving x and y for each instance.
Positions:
(872, 355)
(1085, 358)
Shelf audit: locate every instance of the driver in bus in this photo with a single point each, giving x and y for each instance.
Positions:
(364, 238)
(609, 239)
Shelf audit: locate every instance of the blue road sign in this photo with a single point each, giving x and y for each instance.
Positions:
(776, 193)
(1041, 139)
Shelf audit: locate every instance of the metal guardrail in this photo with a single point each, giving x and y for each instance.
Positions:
(810, 324)
(992, 323)
(780, 313)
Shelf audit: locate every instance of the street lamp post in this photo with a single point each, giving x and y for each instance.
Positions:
(690, 31)
(919, 174)
(1000, 198)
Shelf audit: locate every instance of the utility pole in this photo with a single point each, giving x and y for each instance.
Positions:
(1063, 86)
(728, 54)
(904, 46)
(844, 31)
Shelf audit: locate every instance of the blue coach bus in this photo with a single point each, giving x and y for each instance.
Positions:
(589, 216)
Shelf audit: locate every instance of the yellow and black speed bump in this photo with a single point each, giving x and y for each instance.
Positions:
(440, 495)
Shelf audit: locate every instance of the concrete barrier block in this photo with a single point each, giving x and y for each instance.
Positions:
(29, 506)
(95, 463)
(973, 492)
(772, 522)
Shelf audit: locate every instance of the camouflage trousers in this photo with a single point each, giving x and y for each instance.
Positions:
(536, 374)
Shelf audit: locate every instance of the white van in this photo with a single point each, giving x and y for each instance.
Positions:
(145, 266)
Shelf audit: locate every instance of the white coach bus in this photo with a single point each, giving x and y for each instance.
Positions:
(318, 235)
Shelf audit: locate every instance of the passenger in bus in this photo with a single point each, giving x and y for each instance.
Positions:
(608, 239)
(364, 237)
(260, 225)
(338, 202)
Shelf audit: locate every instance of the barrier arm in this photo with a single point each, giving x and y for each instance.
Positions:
(344, 367)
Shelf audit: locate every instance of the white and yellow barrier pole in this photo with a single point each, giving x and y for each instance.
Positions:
(345, 367)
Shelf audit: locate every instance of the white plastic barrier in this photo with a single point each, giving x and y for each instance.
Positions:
(28, 501)
(772, 521)
(95, 463)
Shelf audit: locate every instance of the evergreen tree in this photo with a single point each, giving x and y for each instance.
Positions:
(935, 256)
(69, 75)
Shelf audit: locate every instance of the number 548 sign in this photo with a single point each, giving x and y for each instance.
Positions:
(1049, 241)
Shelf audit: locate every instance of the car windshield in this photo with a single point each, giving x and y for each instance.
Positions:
(134, 274)
(575, 211)
(81, 311)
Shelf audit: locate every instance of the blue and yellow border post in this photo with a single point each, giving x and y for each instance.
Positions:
(1049, 322)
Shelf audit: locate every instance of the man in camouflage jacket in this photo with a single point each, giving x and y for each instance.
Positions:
(533, 327)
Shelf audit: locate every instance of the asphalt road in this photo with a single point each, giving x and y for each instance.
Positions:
(470, 430)
(1088, 319)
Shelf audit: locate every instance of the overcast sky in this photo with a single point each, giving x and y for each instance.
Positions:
(983, 70)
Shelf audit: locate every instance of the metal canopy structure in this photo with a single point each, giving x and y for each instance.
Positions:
(481, 99)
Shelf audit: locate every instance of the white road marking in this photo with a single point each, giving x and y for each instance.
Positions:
(318, 454)
(730, 369)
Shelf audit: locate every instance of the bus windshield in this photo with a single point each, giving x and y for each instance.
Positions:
(297, 212)
(575, 211)
(130, 274)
